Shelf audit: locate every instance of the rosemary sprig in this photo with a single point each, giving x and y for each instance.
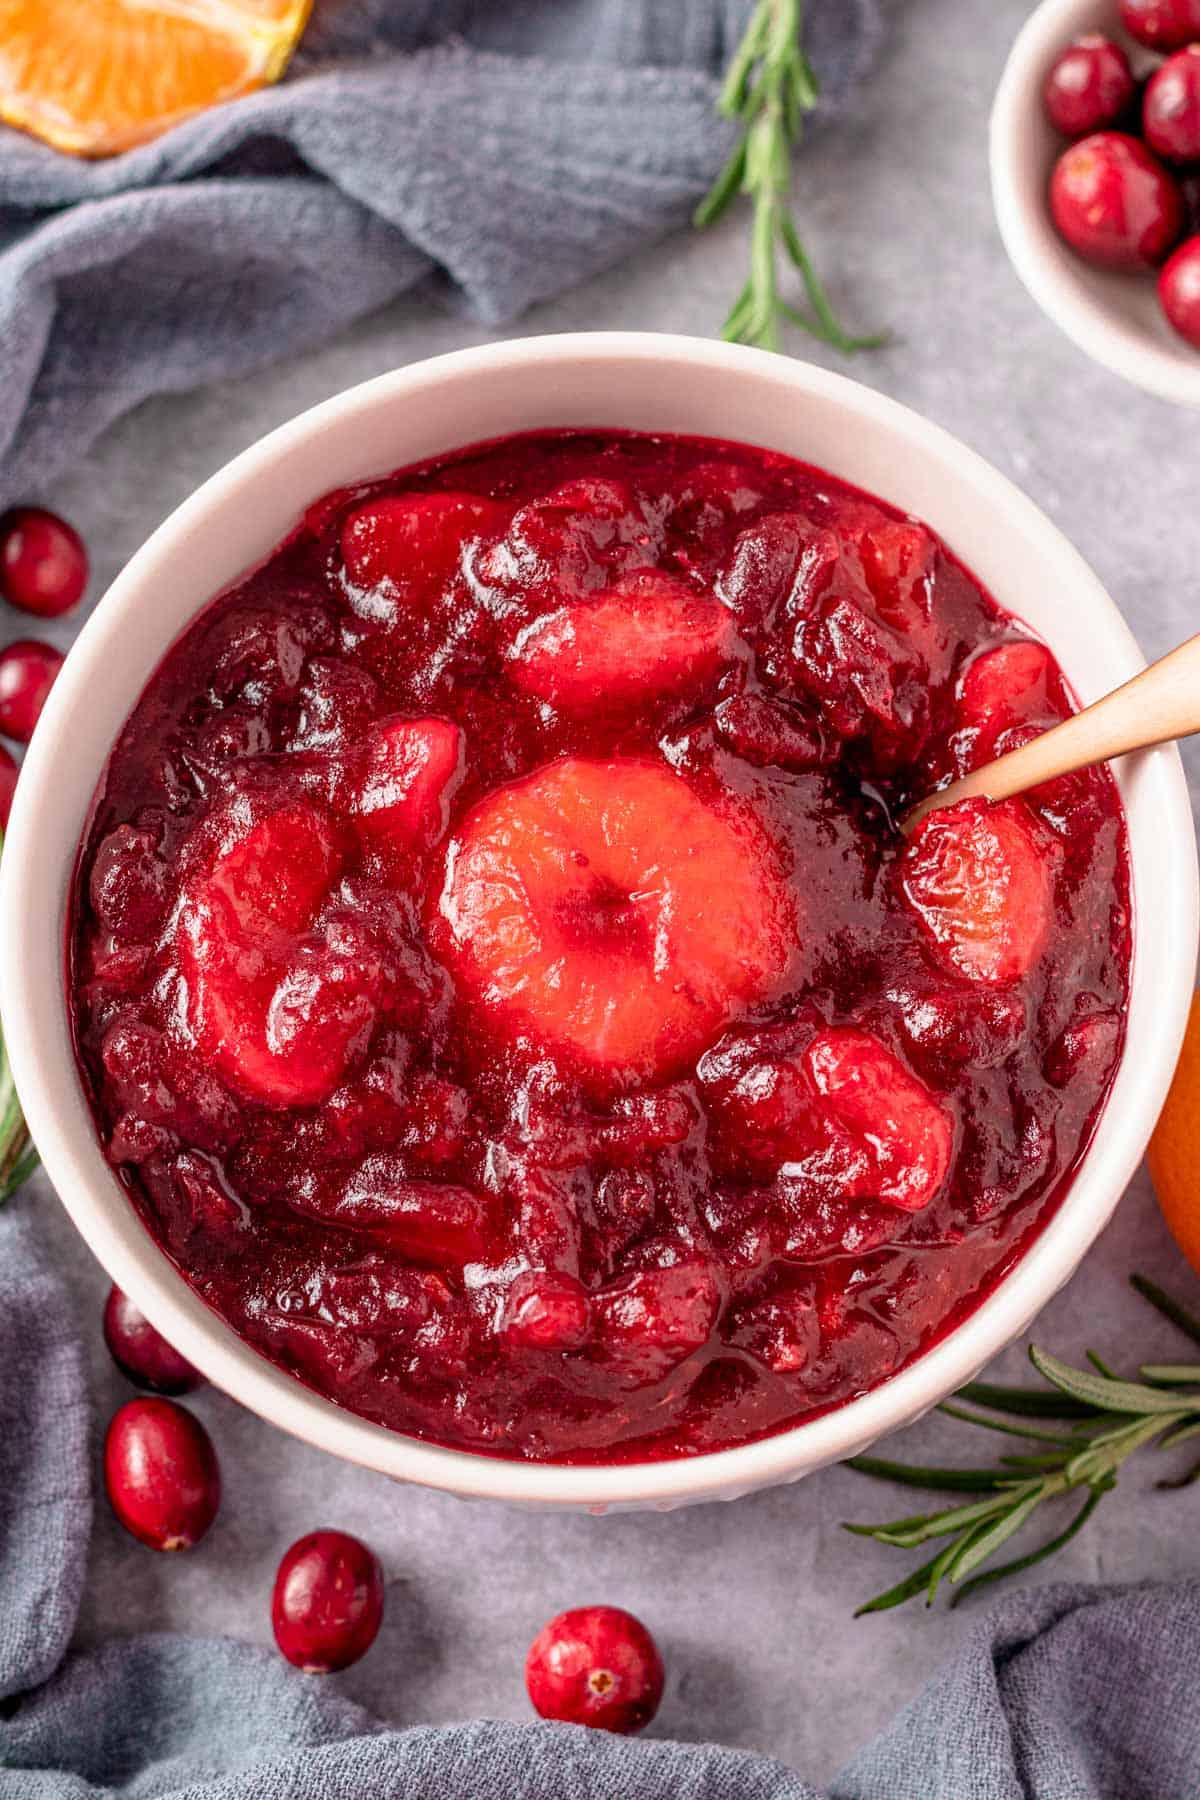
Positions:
(1102, 1421)
(768, 89)
(18, 1158)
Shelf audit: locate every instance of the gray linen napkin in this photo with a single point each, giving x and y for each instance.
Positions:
(498, 149)
(1069, 1693)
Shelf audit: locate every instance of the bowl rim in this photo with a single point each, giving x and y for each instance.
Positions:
(1048, 269)
(87, 1187)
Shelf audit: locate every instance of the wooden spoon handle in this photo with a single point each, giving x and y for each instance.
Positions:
(1161, 703)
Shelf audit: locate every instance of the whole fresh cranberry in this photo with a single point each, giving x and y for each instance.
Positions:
(1114, 202)
(127, 888)
(43, 564)
(546, 1311)
(328, 1601)
(1179, 291)
(1089, 86)
(595, 1665)
(162, 1475)
(27, 673)
(1171, 109)
(1088, 1045)
(143, 1354)
(9, 770)
(1162, 24)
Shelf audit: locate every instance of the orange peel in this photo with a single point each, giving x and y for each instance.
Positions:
(1174, 1153)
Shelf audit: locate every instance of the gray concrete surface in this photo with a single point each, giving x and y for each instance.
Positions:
(752, 1601)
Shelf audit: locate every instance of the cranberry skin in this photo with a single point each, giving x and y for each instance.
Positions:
(1162, 24)
(1179, 291)
(1115, 203)
(327, 1606)
(1171, 109)
(143, 1354)
(43, 564)
(1089, 86)
(595, 1665)
(546, 1311)
(9, 770)
(162, 1475)
(1191, 203)
(27, 673)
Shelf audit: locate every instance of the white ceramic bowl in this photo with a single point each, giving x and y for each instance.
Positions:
(1114, 318)
(656, 384)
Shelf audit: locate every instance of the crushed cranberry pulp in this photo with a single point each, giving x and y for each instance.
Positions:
(502, 986)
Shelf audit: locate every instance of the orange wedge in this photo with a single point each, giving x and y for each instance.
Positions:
(98, 76)
(1174, 1154)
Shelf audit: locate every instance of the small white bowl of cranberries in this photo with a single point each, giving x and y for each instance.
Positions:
(1095, 158)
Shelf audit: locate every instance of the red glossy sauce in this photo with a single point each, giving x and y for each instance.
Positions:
(501, 986)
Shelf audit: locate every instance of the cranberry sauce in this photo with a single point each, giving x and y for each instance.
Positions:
(501, 984)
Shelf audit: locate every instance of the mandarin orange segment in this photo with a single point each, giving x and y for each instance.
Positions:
(1173, 1149)
(95, 77)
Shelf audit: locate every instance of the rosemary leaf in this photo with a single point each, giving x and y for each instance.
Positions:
(18, 1158)
(908, 1589)
(1104, 1456)
(1023, 1402)
(914, 1475)
(1018, 1431)
(1033, 1557)
(983, 1543)
(942, 1565)
(1033, 1465)
(1179, 1316)
(1181, 1433)
(723, 189)
(819, 300)
(1099, 1390)
(872, 1531)
(21, 1171)
(736, 85)
(909, 1534)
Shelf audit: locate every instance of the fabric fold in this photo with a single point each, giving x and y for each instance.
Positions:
(45, 1475)
(515, 149)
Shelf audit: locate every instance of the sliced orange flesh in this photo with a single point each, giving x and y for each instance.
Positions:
(95, 77)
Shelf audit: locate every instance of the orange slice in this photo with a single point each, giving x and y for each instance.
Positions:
(98, 76)
(1174, 1153)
